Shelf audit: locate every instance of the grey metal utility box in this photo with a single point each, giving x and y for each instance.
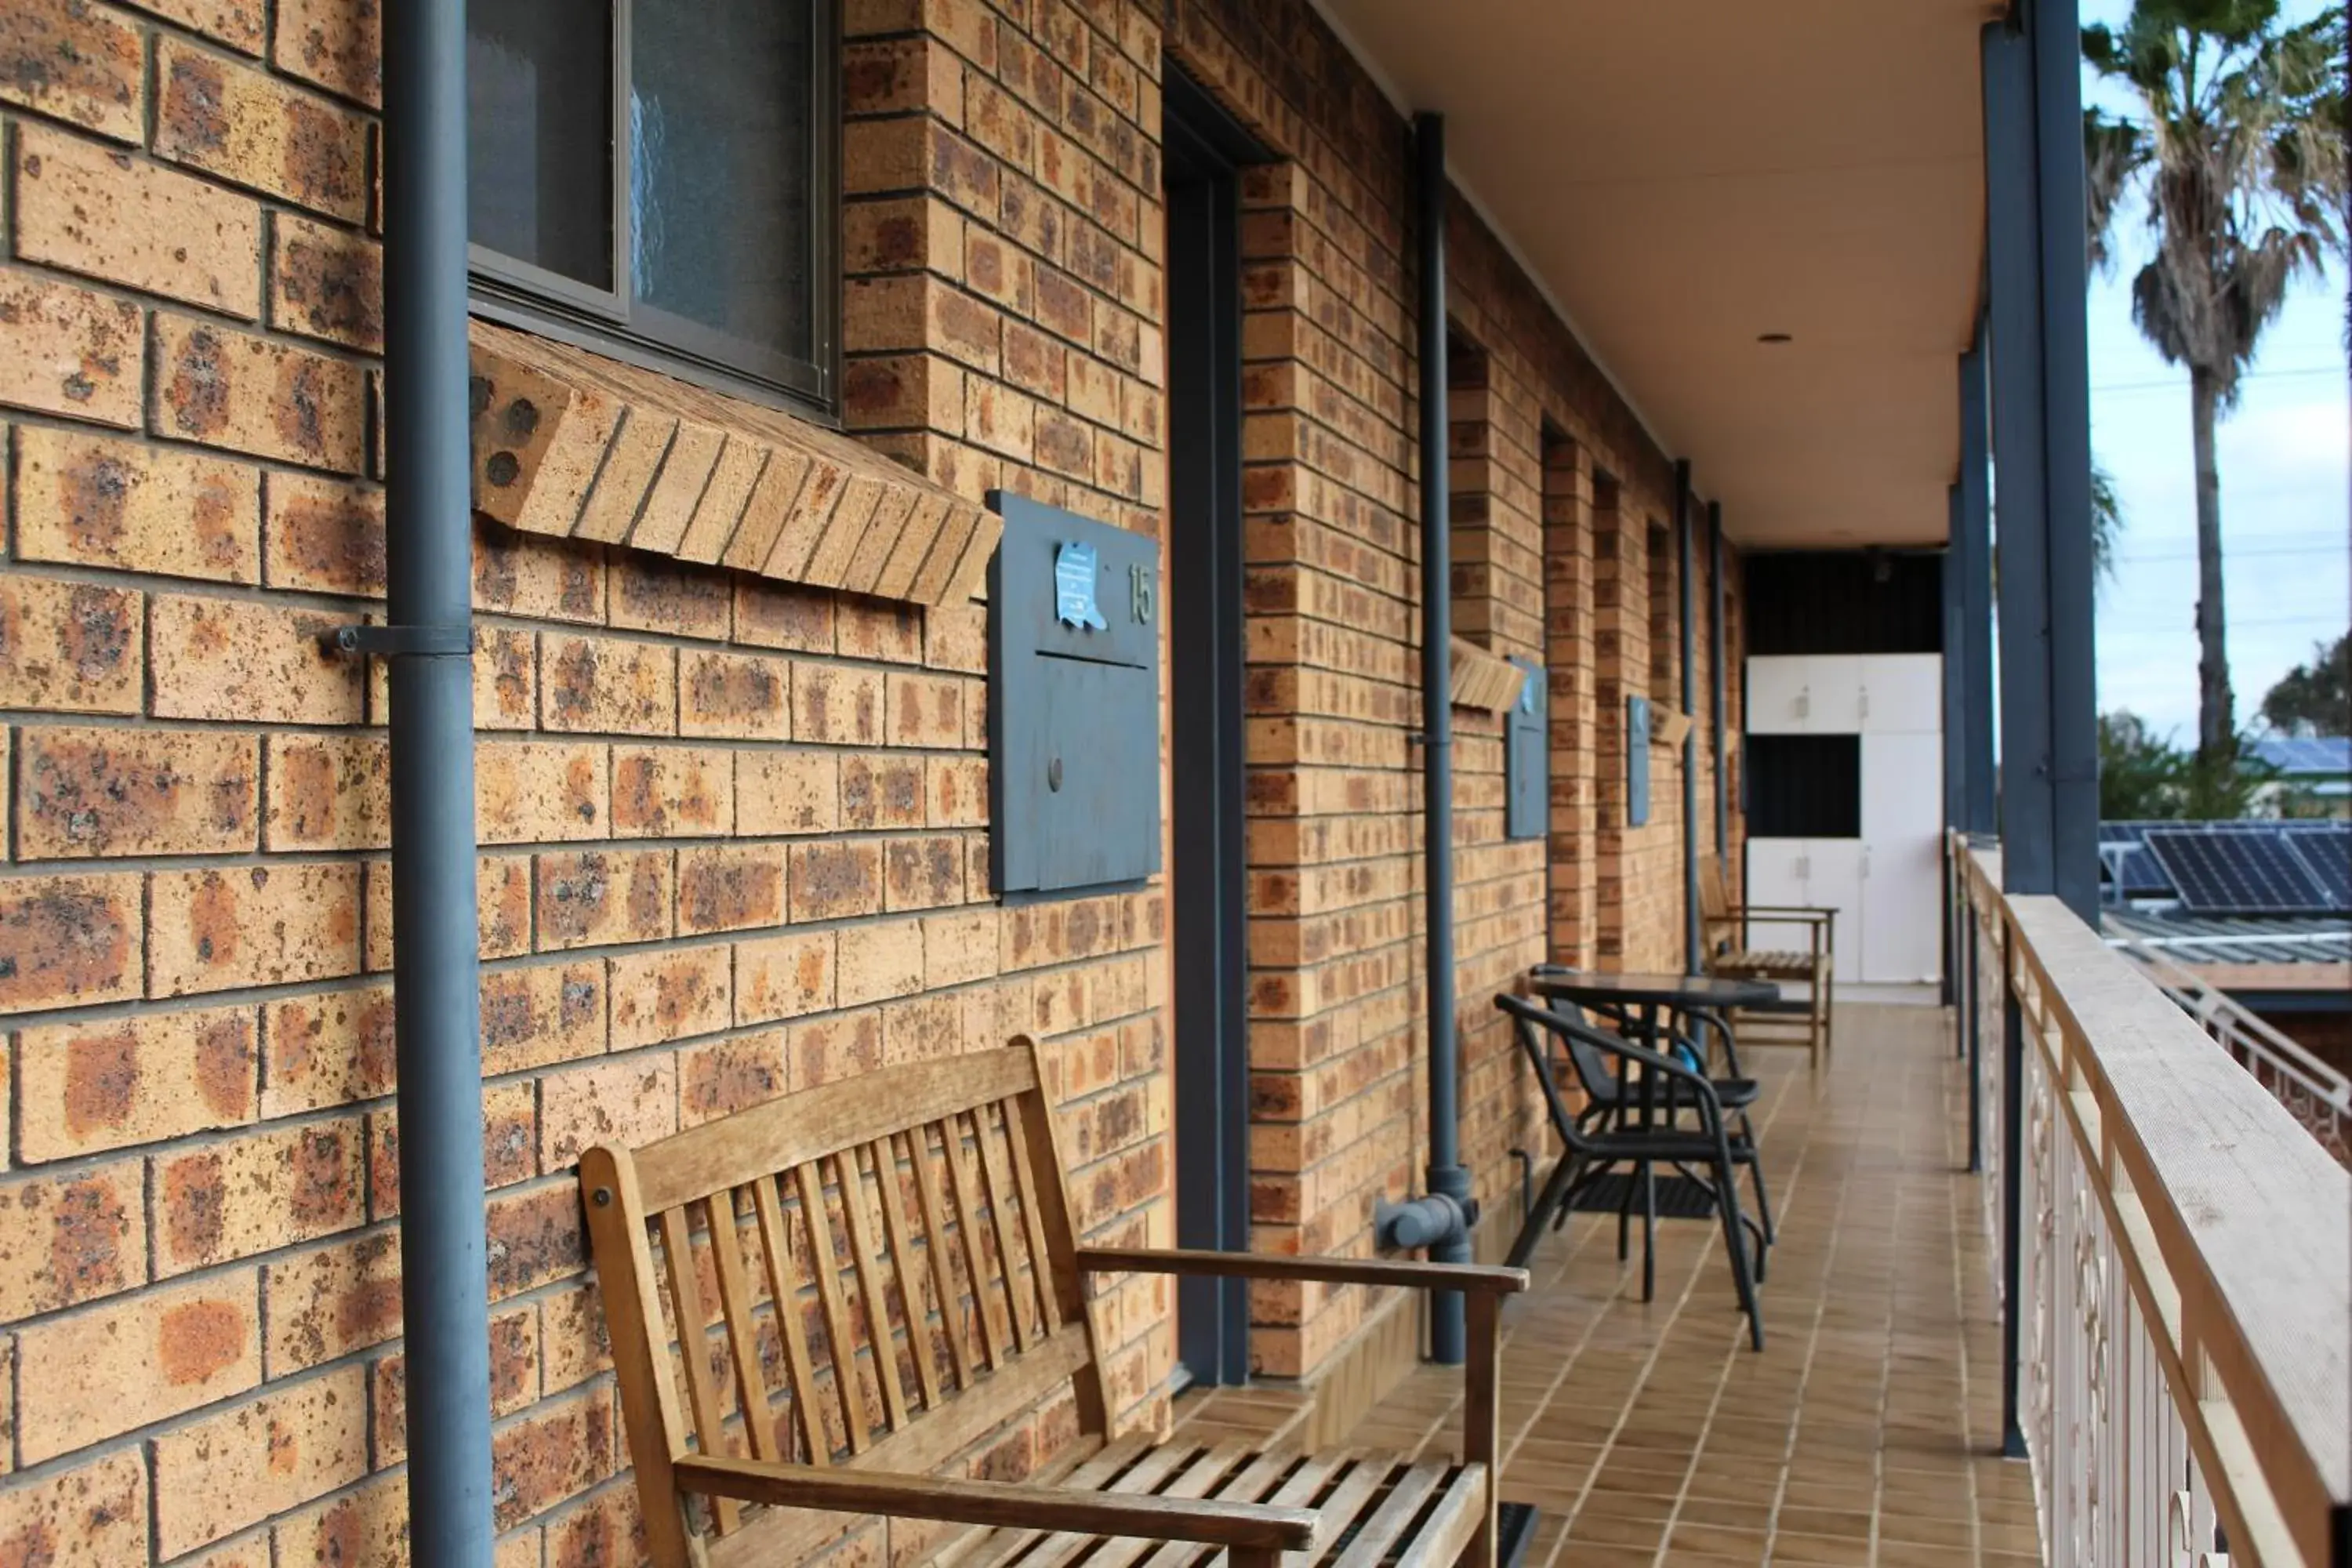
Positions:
(1527, 756)
(1073, 701)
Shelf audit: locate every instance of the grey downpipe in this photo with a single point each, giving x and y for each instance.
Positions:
(1716, 667)
(1448, 1181)
(1686, 617)
(445, 1285)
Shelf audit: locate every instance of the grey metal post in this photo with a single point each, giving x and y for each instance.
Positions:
(2014, 245)
(1956, 803)
(1446, 1176)
(1717, 667)
(2066, 462)
(1686, 620)
(1975, 555)
(445, 1285)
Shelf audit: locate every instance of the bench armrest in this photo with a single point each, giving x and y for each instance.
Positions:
(1407, 1272)
(1018, 1505)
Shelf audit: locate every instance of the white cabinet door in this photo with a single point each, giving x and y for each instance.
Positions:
(1834, 697)
(1779, 695)
(1900, 693)
(1902, 910)
(1776, 875)
(1833, 881)
(1901, 786)
(1902, 814)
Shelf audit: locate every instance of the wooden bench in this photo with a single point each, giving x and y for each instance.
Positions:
(936, 1188)
(1796, 1021)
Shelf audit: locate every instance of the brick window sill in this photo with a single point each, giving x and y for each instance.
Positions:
(570, 444)
(1483, 680)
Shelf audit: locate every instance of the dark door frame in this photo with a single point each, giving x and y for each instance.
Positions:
(1204, 149)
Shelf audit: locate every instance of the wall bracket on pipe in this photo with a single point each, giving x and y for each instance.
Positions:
(403, 642)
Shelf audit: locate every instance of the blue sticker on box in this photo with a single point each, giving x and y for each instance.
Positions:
(1075, 571)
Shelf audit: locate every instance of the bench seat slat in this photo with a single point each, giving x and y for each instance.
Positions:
(694, 1345)
(1385, 1527)
(847, 1386)
(767, 1204)
(902, 1261)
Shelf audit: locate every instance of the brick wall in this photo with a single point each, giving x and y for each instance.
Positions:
(733, 831)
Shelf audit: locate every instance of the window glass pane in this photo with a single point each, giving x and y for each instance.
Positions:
(540, 133)
(719, 166)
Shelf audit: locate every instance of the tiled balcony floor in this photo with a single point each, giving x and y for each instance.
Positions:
(1863, 1434)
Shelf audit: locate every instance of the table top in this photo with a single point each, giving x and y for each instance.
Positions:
(1599, 989)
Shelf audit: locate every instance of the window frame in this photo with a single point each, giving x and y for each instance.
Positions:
(611, 322)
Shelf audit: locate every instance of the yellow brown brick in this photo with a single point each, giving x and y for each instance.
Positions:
(292, 1444)
(237, 660)
(221, 387)
(603, 895)
(258, 1193)
(326, 283)
(113, 1084)
(69, 1240)
(259, 925)
(68, 349)
(326, 1050)
(329, 791)
(69, 941)
(76, 61)
(729, 887)
(231, 120)
(136, 1358)
(104, 213)
(323, 536)
(529, 792)
(111, 791)
(91, 501)
(76, 647)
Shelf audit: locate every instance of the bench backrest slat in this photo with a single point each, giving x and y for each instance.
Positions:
(869, 1273)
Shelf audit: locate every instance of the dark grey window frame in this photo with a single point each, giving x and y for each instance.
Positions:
(516, 293)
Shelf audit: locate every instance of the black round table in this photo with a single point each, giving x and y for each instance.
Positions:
(1682, 993)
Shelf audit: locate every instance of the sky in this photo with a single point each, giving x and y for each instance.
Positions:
(2285, 459)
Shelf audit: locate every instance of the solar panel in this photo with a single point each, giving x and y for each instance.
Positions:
(2240, 872)
(2141, 875)
(2326, 851)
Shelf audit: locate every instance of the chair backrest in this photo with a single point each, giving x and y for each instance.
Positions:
(878, 1273)
(1715, 902)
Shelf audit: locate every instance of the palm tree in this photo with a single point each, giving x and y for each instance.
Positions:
(2236, 140)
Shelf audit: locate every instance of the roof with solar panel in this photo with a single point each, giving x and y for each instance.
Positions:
(2248, 892)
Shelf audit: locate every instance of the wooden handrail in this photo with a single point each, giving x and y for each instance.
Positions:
(2232, 1224)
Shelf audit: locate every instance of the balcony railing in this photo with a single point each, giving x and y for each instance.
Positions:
(2315, 1093)
(2184, 1268)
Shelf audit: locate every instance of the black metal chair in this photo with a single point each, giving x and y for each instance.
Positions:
(1592, 1149)
(1735, 1093)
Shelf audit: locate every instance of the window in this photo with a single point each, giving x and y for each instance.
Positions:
(658, 179)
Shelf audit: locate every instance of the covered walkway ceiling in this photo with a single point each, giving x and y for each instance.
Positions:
(1686, 175)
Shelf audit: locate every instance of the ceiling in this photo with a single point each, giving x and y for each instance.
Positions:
(1683, 175)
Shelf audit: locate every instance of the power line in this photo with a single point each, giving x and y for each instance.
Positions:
(2180, 383)
(2339, 547)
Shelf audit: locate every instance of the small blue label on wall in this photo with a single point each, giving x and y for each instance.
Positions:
(1075, 571)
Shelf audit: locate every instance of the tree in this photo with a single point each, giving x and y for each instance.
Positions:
(2314, 699)
(2237, 141)
(2143, 776)
(2106, 520)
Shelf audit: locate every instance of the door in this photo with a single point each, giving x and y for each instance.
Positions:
(1902, 813)
(1777, 695)
(1206, 873)
(1902, 694)
(1776, 876)
(1832, 871)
